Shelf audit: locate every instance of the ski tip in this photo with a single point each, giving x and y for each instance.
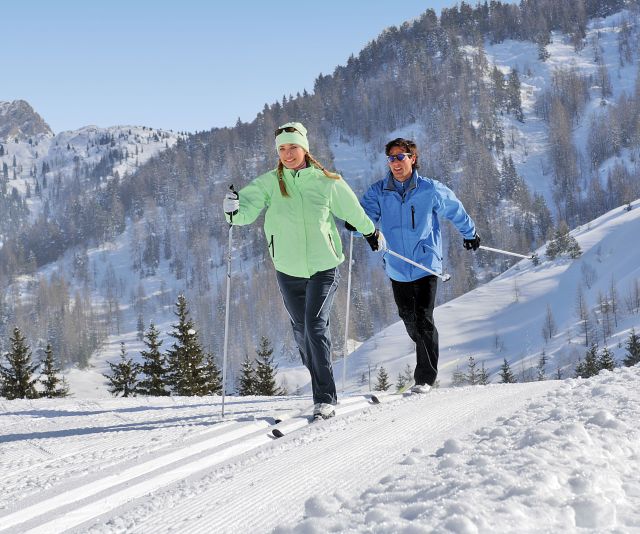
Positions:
(374, 399)
(277, 433)
(276, 421)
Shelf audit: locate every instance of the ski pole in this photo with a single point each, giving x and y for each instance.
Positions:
(346, 325)
(226, 312)
(506, 252)
(444, 277)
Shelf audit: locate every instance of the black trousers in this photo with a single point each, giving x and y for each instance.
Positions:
(308, 302)
(415, 301)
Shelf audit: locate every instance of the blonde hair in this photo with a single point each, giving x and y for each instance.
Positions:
(310, 161)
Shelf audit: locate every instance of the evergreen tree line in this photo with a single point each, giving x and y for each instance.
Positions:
(17, 373)
(184, 369)
(594, 361)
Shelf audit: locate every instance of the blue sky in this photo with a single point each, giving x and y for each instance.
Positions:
(186, 65)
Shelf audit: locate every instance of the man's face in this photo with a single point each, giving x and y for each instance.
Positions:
(401, 170)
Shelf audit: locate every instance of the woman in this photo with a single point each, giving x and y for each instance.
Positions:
(301, 197)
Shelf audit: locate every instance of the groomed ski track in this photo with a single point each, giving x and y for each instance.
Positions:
(231, 476)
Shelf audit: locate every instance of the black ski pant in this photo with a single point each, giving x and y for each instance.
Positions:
(308, 302)
(415, 301)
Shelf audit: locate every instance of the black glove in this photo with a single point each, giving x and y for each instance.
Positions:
(472, 244)
(350, 227)
(376, 241)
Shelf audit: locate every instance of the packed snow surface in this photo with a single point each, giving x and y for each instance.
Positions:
(554, 456)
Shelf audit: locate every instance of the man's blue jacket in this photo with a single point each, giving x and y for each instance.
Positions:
(411, 224)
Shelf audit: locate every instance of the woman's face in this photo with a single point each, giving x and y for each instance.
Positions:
(401, 170)
(292, 156)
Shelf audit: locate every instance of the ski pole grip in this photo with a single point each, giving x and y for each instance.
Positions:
(233, 191)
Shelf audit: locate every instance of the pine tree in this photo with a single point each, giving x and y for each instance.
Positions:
(401, 382)
(123, 377)
(247, 380)
(383, 383)
(483, 376)
(588, 367)
(542, 363)
(185, 358)
(17, 381)
(213, 378)
(54, 387)
(633, 349)
(266, 370)
(506, 376)
(606, 361)
(473, 375)
(153, 368)
(458, 378)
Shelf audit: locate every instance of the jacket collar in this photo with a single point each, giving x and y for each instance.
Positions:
(413, 182)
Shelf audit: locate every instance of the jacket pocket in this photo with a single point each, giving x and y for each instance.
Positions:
(272, 247)
(426, 249)
(333, 247)
(413, 217)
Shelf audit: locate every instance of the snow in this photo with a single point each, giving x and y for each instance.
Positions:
(557, 456)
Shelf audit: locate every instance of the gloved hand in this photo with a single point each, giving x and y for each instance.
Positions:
(231, 202)
(472, 244)
(350, 227)
(376, 241)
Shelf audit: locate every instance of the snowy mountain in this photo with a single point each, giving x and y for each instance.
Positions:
(141, 224)
(18, 120)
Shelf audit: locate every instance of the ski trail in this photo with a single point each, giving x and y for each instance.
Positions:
(249, 497)
(71, 506)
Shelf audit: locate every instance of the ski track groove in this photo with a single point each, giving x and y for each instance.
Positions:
(78, 500)
(208, 501)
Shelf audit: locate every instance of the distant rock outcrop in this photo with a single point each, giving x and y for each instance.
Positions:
(18, 119)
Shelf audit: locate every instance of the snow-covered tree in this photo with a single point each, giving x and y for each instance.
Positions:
(506, 375)
(605, 360)
(633, 349)
(17, 380)
(186, 359)
(247, 379)
(54, 386)
(382, 383)
(124, 375)
(153, 369)
(588, 367)
(542, 364)
(266, 369)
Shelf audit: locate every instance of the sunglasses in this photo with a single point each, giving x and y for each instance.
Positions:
(399, 157)
(288, 129)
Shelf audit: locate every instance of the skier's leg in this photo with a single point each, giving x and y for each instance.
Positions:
(320, 293)
(403, 294)
(293, 291)
(427, 368)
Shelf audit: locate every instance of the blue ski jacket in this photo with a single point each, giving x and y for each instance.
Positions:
(411, 222)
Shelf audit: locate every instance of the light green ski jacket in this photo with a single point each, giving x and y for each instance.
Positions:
(300, 230)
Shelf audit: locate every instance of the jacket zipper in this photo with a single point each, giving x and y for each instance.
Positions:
(413, 217)
(272, 246)
(332, 246)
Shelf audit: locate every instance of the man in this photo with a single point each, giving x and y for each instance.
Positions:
(408, 207)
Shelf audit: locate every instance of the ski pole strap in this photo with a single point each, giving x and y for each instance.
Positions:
(444, 277)
(506, 252)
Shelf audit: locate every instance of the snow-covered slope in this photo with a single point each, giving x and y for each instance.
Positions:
(504, 318)
(551, 456)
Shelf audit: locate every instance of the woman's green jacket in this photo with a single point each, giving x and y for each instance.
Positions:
(300, 230)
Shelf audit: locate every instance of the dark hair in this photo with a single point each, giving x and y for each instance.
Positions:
(405, 144)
